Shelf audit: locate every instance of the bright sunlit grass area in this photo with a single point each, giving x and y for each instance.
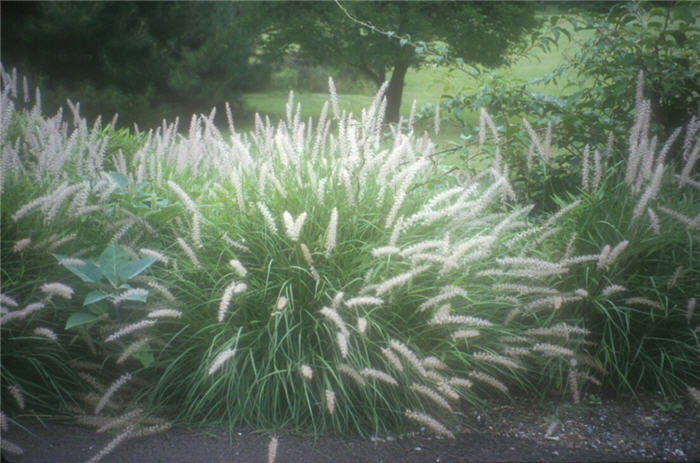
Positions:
(426, 85)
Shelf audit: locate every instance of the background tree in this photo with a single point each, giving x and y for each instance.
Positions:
(479, 32)
(145, 60)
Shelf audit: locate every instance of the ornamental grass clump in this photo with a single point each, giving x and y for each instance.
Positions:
(352, 280)
(309, 276)
(636, 227)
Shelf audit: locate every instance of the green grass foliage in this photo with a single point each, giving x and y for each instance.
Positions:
(328, 276)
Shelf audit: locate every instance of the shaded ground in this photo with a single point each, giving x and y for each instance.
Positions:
(612, 431)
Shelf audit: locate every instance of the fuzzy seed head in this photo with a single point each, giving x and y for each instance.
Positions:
(57, 289)
(330, 401)
(306, 372)
(220, 360)
(46, 333)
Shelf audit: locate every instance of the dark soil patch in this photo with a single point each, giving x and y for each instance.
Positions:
(612, 431)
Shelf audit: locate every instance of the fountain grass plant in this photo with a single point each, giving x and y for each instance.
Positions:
(640, 292)
(315, 277)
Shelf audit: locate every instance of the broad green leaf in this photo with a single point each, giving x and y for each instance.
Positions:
(146, 358)
(134, 268)
(89, 273)
(120, 179)
(95, 296)
(164, 214)
(111, 260)
(136, 297)
(99, 307)
(80, 318)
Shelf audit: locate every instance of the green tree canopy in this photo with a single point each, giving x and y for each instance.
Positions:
(144, 60)
(477, 32)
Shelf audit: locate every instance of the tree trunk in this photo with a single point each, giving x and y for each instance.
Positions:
(394, 92)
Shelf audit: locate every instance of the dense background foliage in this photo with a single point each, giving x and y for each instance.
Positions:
(145, 61)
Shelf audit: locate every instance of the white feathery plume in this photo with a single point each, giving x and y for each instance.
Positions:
(363, 300)
(165, 292)
(307, 372)
(282, 302)
(24, 210)
(238, 267)
(446, 293)
(335, 317)
(597, 170)
(310, 262)
(690, 309)
(17, 395)
(616, 251)
(189, 252)
(379, 375)
(393, 359)
(72, 262)
(186, 200)
(396, 231)
(331, 232)
(408, 354)
(272, 450)
(433, 362)
(196, 231)
(113, 388)
(399, 280)
(57, 289)
(495, 358)
(612, 289)
(132, 348)
(120, 421)
(437, 119)
(130, 294)
(446, 319)
(342, 343)
(130, 329)
(334, 98)
(21, 244)
(603, 256)
(330, 401)
(220, 360)
(432, 395)
(267, 215)
(465, 334)
(226, 300)
(490, 380)
(112, 444)
(584, 175)
(165, 313)
(384, 251)
(337, 299)
(352, 373)
(361, 325)
(46, 333)
(644, 301)
(650, 193)
(7, 300)
(553, 350)
(690, 223)
(429, 422)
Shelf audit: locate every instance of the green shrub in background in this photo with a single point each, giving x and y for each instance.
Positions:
(596, 105)
(640, 291)
(144, 61)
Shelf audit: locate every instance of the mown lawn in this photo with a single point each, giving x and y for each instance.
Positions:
(424, 85)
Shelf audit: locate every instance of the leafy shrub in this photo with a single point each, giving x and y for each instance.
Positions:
(596, 107)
